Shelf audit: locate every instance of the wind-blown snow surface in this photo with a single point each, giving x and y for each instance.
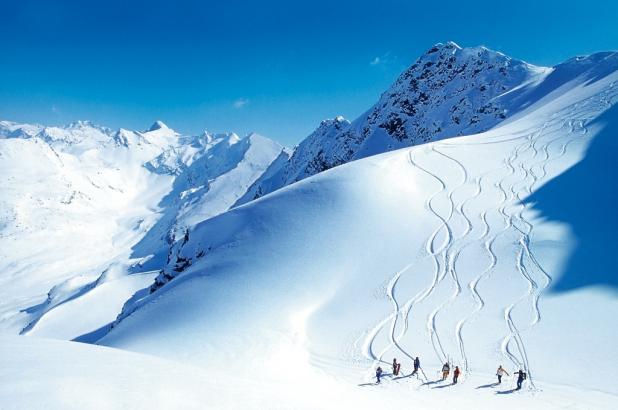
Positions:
(454, 250)
(82, 207)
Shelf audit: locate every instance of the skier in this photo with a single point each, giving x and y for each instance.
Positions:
(378, 374)
(445, 371)
(501, 372)
(417, 365)
(520, 378)
(396, 367)
(456, 373)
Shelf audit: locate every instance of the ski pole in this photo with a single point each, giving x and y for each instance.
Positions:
(424, 375)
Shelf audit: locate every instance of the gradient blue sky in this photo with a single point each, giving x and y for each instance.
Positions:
(274, 67)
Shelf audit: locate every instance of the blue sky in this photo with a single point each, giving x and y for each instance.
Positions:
(274, 67)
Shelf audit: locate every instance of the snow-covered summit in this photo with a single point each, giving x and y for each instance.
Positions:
(86, 125)
(157, 125)
(448, 91)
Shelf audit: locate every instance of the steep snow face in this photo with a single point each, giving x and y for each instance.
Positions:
(10, 129)
(316, 145)
(448, 91)
(288, 169)
(459, 250)
(271, 180)
(82, 205)
(291, 169)
(206, 186)
(212, 192)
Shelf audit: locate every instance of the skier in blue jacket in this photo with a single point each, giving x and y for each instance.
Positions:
(378, 374)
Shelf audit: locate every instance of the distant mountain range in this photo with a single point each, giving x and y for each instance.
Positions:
(83, 204)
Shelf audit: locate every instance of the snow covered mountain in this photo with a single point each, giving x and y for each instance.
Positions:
(375, 239)
(83, 206)
(480, 250)
(448, 91)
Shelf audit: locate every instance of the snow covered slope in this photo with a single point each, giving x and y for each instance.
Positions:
(471, 250)
(82, 206)
(50, 374)
(448, 91)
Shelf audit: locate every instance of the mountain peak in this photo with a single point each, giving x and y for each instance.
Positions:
(81, 124)
(158, 125)
(449, 45)
(336, 122)
(85, 126)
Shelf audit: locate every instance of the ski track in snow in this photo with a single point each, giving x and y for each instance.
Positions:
(528, 167)
(462, 322)
(452, 253)
(441, 270)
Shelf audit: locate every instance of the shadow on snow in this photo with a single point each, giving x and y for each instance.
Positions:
(585, 197)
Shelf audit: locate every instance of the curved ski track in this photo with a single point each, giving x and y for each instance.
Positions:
(527, 168)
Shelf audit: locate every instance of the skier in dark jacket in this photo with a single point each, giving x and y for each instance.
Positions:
(456, 374)
(446, 369)
(396, 367)
(378, 374)
(520, 378)
(417, 365)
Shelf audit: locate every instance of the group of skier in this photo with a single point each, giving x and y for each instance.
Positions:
(446, 369)
(521, 376)
(397, 368)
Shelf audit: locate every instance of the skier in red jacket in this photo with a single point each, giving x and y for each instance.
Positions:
(456, 374)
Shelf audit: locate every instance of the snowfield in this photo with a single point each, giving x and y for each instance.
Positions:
(53, 374)
(481, 250)
(82, 207)
(451, 251)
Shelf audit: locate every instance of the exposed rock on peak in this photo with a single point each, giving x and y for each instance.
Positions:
(157, 125)
(448, 91)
